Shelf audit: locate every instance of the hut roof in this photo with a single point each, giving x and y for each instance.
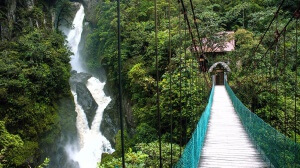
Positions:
(229, 44)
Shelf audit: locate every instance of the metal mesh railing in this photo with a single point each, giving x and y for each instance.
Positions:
(191, 154)
(277, 149)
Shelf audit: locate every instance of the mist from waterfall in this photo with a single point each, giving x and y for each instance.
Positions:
(91, 142)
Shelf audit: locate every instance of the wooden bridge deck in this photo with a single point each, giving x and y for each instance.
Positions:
(227, 144)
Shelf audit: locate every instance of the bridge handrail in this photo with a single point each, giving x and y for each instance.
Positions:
(276, 148)
(192, 152)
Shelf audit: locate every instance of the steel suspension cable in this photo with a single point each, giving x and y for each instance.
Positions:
(180, 81)
(270, 86)
(189, 27)
(278, 35)
(186, 98)
(120, 84)
(284, 78)
(191, 86)
(276, 83)
(170, 86)
(262, 37)
(197, 28)
(198, 95)
(189, 97)
(193, 91)
(297, 15)
(264, 84)
(201, 64)
(274, 17)
(157, 84)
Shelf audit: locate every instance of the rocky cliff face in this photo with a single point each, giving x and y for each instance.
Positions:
(67, 113)
(110, 124)
(9, 18)
(90, 12)
(12, 21)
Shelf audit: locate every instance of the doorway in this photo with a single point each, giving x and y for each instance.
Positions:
(220, 78)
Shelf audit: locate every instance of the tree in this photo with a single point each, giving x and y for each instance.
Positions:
(9, 145)
(63, 10)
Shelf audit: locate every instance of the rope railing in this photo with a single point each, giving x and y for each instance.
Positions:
(277, 149)
(192, 152)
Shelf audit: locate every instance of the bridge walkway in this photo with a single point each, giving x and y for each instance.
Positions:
(227, 143)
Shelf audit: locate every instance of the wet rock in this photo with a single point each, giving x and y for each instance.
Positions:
(84, 97)
(86, 101)
(110, 122)
(78, 78)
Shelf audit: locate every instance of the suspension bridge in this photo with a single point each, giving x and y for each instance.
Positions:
(228, 134)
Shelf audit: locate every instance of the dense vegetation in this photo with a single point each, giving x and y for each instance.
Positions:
(34, 74)
(254, 86)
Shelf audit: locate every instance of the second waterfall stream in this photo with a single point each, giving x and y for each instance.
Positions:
(91, 142)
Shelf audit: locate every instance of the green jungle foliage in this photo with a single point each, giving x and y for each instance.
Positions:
(256, 79)
(143, 155)
(34, 74)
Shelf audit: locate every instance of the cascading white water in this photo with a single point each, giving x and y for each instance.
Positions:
(73, 39)
(92, 142)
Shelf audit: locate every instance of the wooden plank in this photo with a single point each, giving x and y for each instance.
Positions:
(227, 143)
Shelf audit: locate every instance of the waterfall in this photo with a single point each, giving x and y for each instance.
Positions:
(73, 39)
(91, 142)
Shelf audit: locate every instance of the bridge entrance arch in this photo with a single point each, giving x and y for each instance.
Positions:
(219, 71)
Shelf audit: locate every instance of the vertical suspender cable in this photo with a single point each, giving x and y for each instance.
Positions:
(157, 85)
(296, 80)
(243, 16)
(276, 83)
(296, 84)
(268, 80)
(264, 75)
(120, 85)
(189, 97)
(192, 89)
(180, 82)
(284, 78)
(185, 69)
(270, 86)
(270, 91)
(197, 93)
(170, 91)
